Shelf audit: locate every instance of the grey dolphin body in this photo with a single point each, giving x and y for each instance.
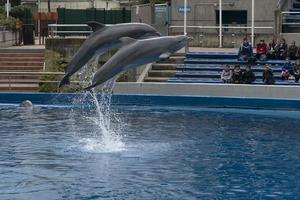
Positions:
(104, 38)
(137, 53)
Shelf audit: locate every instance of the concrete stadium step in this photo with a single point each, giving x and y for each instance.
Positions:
(21, 68)
(20, 77)
(160, 66)
(21, 59)
(161, 73)
(23, 55)
(30, 87)
(20, 63)
(156, 79)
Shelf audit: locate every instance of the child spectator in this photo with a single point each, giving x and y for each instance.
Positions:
(237, 74)
(271, 49)
(287, 70)
(226, 74)
(281, 50)
(245, 51)
(297, 71)
(261, 50)
(268, 77)
(248, 75)
(293, 51)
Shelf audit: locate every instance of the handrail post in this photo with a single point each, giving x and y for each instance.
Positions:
(220, 24)
(252, 25)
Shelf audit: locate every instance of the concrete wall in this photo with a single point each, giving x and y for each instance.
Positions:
(203, 13)
(209, 90)
(7, 39)
(141, 13)
(78, 4)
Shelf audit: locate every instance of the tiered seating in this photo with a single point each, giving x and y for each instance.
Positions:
(207, 67)
(292, 21)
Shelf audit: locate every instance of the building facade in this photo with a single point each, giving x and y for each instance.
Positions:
(237, 13)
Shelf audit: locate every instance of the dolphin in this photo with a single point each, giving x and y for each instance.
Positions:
(135, 53)
(104, 39)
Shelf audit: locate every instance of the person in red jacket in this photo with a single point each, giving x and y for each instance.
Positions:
(261, 50)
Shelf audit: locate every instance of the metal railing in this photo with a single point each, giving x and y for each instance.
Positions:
(10, 78)
(54, 32)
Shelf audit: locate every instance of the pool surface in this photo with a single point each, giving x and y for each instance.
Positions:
(160, 153)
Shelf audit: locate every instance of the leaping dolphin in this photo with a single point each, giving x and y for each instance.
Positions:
(135, 53)
(105, 38)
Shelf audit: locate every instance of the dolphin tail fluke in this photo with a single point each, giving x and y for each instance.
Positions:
(64, 81)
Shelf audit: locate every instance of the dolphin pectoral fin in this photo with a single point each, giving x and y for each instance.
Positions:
(126, 40)
(64, 81)
(165, 56)
(95, 25)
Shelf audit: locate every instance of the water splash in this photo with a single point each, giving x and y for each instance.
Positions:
(105, 136)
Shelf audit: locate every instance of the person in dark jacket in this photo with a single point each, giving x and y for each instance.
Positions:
(268, 77)
(261, 50)
(281, 50)
(271, 49)
(293, 51)
(248, 75)
(297, 71)
(287, 69)
(237, 74)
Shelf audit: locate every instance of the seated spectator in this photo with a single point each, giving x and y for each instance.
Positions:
(297, 71)
(248, 75)
(287, 69)
(271, 49)
(261, 50)
(226, 74)
(237, 74)
(281, 50)
(245, 51)
(268, 77)
(293, 51)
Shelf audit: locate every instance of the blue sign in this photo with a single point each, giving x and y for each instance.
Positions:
(181, 9)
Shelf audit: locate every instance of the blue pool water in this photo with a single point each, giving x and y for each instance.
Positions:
(160, 153)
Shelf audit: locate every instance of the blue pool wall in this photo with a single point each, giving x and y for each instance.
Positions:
(67, 99)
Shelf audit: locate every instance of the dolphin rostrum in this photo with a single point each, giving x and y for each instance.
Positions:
(135, 53)
(105, 38)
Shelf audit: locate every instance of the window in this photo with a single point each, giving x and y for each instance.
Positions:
(232, 17)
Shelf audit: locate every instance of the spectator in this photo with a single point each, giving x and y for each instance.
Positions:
(293, 51)
(226, 74)
(287, 69)
(281, 50)
(237, 74)
(297, 71)
(248, 75)
(271, 49)
(268, 77)
(261, 50)
(245, 51)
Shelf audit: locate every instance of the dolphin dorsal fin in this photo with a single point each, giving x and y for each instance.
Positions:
(95, 25)
(127, 40)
